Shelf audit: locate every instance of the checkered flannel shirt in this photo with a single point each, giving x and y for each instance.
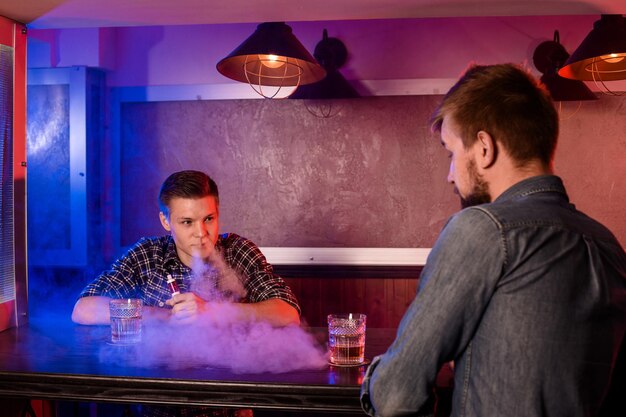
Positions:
(142, 272)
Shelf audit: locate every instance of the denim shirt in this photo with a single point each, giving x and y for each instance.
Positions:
(528, 296)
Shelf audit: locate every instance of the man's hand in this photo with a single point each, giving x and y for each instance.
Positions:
(186, 307)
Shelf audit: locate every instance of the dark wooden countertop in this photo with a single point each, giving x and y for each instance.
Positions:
(60, 360)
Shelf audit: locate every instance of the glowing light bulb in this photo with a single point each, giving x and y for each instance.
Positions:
(613, 58)
(272, 61)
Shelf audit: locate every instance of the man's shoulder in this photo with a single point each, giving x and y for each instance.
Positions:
(154, 241)
(232, 244)
(152, 244)
(474, 224)
(228, 240)
(473, 217)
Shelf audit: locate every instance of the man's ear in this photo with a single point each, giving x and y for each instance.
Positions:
(487, 150)
(164, 222)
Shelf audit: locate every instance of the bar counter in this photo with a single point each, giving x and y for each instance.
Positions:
(56, 359)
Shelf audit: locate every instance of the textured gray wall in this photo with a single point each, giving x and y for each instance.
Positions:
(372, 175)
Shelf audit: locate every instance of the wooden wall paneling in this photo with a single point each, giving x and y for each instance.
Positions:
(314, 298)
(384, 300)
(404, 292)
(376, 303)
(331, 296)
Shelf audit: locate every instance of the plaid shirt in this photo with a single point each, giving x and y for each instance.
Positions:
(142, 272)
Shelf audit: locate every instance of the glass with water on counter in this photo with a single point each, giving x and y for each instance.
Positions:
(346, 339)
(125, 320)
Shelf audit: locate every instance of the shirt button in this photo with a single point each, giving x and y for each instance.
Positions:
(161, 303)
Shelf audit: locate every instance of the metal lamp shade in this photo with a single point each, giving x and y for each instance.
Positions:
(602, 54)
(272, 56)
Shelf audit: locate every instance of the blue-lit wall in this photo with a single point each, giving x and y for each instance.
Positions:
(65, 223)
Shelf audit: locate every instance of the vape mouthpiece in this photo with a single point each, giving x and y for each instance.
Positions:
(172, 285)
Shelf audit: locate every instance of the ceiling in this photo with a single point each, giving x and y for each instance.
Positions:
(50, 14)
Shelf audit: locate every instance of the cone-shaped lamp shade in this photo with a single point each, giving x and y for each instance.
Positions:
(602, 54)
(272, 56)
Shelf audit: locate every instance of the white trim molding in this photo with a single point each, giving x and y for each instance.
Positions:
(230, 91)
(346, 256)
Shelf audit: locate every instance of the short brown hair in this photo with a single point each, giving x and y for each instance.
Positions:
(509, 104)
(186, 184)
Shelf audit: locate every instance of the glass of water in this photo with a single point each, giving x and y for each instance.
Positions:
(125, 320)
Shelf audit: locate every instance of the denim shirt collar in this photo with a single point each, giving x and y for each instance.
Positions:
(534, 185)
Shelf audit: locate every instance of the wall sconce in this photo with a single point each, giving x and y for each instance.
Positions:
(548, 57)
(602, 54)
(272, 61)
(332, 54)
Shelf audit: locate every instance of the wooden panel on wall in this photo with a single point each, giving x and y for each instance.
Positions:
(384, 300)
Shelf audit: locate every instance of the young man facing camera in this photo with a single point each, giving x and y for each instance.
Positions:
(189, 204)
(237, 272)
(525, 293)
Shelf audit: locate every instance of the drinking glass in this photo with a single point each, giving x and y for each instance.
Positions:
(125, 320)
(346, 338)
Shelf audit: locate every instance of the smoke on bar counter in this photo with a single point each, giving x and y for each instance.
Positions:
(242, 347)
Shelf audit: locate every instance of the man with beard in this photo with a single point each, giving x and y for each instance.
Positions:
(523, 292)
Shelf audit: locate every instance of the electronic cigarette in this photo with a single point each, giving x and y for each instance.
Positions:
(172, 285)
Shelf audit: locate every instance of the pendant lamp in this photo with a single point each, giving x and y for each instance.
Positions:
(602, 54)
(272, 61)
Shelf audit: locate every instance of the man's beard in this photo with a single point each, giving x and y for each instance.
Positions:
(480, 188)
